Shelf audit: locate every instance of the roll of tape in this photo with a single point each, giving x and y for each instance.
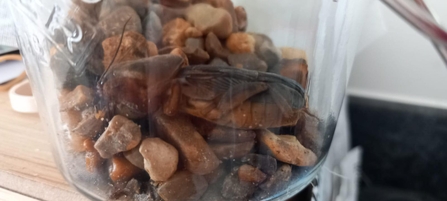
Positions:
(22, 99)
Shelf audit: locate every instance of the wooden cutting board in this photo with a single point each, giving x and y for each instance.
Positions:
(27, 168)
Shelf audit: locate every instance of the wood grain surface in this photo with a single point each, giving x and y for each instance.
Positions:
(27, 168)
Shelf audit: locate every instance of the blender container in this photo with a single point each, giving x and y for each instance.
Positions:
(188, 99)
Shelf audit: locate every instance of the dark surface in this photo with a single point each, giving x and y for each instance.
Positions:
(391, 194)
(404, 148)
(305, 195)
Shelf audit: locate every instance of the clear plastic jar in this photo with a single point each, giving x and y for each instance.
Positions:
(186, 99)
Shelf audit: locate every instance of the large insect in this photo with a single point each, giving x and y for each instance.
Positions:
(223, 95)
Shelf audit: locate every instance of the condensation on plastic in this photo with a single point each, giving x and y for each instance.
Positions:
(45, 24)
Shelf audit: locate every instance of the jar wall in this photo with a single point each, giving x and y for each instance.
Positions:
(142, 101)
